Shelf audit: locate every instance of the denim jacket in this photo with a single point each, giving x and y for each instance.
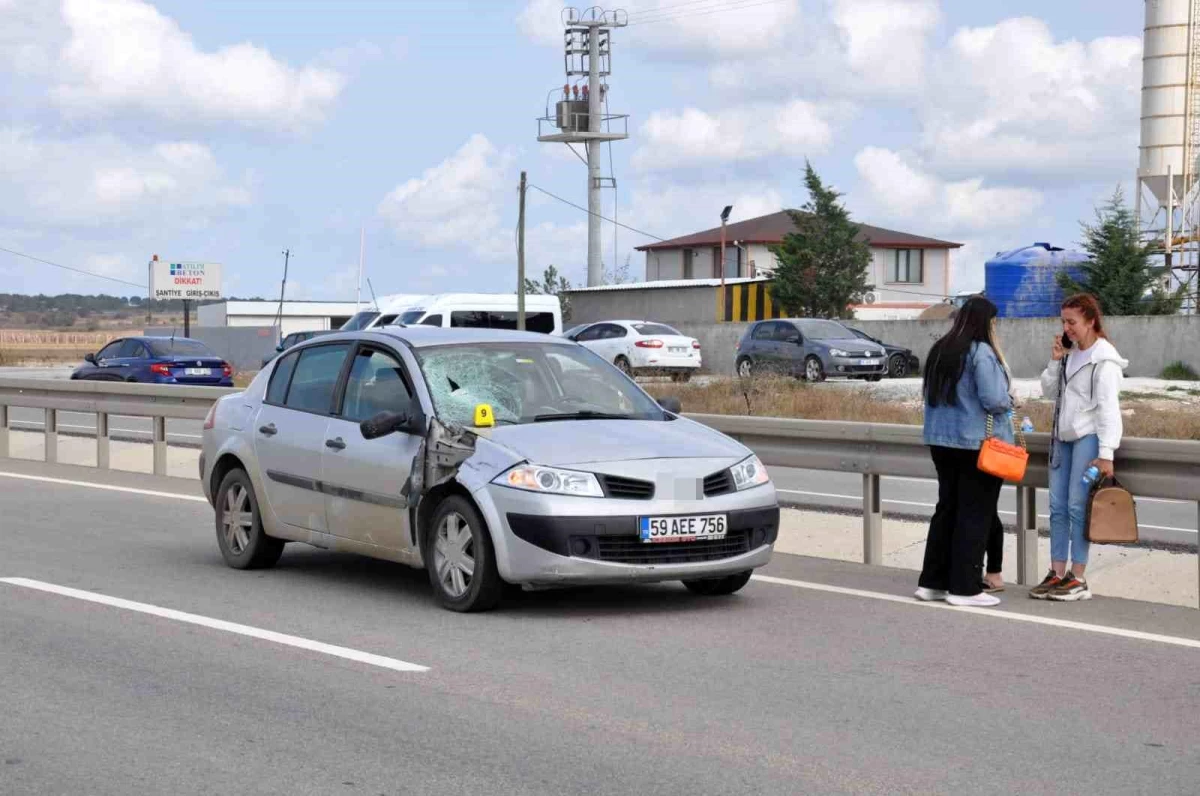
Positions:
(982, 390)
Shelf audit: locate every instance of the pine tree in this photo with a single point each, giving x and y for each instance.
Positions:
(1119, 273)
(552, 284)
(822, 266)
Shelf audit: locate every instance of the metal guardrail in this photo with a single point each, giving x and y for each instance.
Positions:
(1148, 467)
(104, 400)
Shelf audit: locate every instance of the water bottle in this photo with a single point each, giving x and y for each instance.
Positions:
(1026, 426)
(1091, 475)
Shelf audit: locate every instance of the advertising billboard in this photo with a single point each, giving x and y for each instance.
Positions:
(195, 281)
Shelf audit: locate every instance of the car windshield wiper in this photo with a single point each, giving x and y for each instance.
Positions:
(585, 414)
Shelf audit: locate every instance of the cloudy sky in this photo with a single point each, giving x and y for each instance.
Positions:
(228, 131)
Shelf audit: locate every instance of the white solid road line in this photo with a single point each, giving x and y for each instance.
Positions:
(1138, 635)
(858, 499)
(105, 487)
(220, 624)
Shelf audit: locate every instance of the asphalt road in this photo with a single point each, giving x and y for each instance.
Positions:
(788, 687)
(1168, 521)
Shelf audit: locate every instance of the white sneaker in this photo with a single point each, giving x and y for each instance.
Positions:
(980, 600)
(930, 595)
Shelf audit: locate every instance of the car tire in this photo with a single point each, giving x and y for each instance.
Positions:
(243, 543)
(876, 377)
(814, 371)
(898, 366)
(745, 368)
(447, 550)
(681, 378)
(623, 365)
(719, 587)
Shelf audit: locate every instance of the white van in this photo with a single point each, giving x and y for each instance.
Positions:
(486, 311)
(385, 312)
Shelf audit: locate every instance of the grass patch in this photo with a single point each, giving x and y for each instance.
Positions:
(775, 397)
(1180, 371)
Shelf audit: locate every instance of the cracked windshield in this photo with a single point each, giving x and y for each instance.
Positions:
(530, 383)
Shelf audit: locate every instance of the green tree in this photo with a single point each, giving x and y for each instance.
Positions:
(1119, 273)
(552, 284)
(823, 265)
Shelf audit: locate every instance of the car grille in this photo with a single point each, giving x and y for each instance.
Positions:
(718, 484)
(616, 486)
(632, 550)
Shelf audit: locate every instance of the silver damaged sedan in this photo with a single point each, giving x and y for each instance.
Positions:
(485, 457)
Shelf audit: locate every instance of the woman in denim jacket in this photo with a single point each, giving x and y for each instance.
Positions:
(966, 381)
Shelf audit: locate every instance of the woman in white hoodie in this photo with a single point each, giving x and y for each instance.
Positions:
(1084, 379)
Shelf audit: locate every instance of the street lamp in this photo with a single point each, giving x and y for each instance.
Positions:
(724, 217)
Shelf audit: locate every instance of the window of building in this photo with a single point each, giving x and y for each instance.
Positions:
(907, 267)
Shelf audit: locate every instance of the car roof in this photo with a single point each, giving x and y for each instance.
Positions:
(427, 336)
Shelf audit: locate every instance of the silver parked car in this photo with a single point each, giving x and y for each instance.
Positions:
(486, 457)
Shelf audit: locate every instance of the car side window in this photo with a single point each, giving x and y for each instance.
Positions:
(764, 331)
(109, 351)
(432, 320)
(590, 333)
(787, 332)
(131, 349)
(376, 384)
(282, 375)
(315, 378)
(614, 332)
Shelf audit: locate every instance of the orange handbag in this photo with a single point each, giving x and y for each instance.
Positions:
(1002, 459)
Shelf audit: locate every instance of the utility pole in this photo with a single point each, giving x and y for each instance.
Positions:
(187, 317)
(521, 256)
(287, 255)
(588, 52)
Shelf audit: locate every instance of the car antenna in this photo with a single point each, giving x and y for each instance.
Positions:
(374, 300)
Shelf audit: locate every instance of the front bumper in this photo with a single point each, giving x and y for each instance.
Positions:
(539, 545)
(851, 366)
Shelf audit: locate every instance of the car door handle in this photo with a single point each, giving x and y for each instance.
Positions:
(336, 444)
(268, 429)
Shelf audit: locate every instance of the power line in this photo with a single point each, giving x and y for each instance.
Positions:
(69, 268)
(703, 12)
(597, 215)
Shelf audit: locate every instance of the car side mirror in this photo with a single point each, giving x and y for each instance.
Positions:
(671, 404)
(382, 424)
(90, 359)
(279, 347)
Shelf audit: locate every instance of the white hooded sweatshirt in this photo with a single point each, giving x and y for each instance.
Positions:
(1091, 403)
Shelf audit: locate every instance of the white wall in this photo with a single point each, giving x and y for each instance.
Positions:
(664, 264)
(762, 257)
(931, 291)
(211, 314)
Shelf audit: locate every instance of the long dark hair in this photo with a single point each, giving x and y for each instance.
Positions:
(948, 357)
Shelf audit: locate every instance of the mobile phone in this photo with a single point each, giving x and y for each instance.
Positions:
(1066, 341)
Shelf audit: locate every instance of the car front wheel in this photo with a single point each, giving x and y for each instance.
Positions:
(240, 535)
(814, 371)
(717, 587)
(461, 560)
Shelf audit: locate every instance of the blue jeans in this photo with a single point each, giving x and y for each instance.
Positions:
(1068, 499)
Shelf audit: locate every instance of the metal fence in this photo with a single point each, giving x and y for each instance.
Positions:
(1148, 467)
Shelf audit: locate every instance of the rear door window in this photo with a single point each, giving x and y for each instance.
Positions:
(131, 349)
(277, 389)
(315, 378)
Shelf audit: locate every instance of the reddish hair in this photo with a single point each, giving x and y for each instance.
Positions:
(1090, 309)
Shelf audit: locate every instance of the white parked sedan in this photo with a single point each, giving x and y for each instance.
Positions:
(641, 347)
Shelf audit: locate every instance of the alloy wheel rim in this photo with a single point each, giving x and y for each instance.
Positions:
(454, 555)
(237, 519)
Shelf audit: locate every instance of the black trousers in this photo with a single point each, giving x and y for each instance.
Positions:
(962, 522)
(995, 547)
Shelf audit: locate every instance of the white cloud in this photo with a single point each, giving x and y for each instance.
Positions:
(97, 180)
(899, 191)
(1010, 98)
(680, 138)
(457, 202)
(108, 57)
(541, 22)
(885, 40)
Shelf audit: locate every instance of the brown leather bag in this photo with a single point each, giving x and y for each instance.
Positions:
(1111, 514)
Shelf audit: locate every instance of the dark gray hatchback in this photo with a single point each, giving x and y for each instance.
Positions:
(811, 348)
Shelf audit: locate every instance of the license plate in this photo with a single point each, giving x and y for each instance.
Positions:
(198, 371)
(869, 362)
(677, 349)
(683, 529)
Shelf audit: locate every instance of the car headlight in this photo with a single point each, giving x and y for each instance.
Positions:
(837, 352)
(749, 473)
(551, 481)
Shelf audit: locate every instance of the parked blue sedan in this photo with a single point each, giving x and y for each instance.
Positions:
(157, 360)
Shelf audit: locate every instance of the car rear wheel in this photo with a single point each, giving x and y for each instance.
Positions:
(460, 560)
(745, 368)
(623, 365)
(683, 377)
(716, 587)
(814, 371)
(240, 535)
(898, 366)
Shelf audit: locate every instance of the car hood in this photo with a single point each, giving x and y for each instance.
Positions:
(576, 442)
(848, 344)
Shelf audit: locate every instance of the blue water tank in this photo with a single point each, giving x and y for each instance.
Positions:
(1023, 283)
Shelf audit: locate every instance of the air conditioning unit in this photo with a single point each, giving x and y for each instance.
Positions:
(871, 297)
